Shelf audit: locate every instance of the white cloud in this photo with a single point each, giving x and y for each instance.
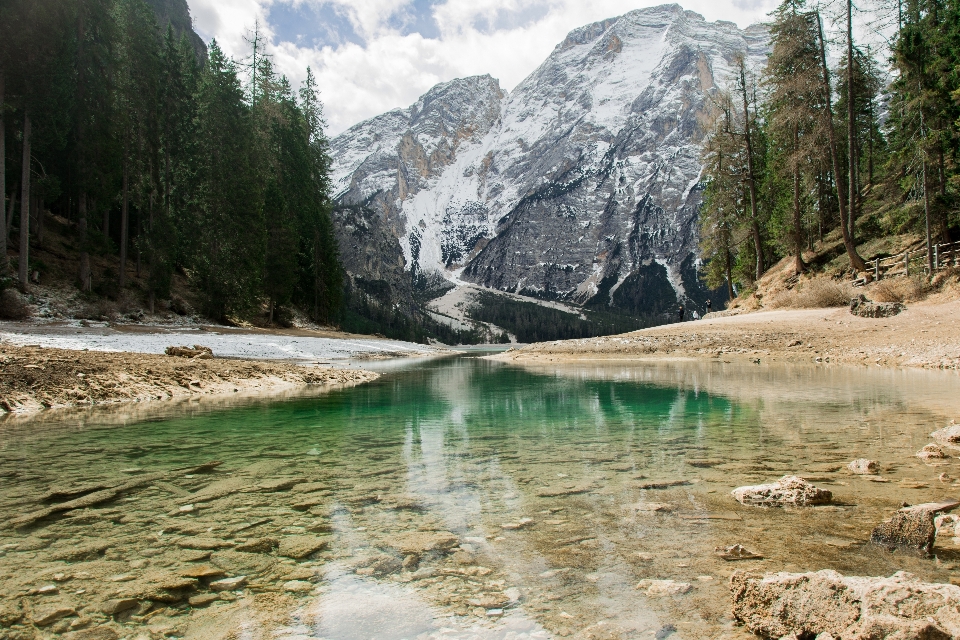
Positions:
(391, 70)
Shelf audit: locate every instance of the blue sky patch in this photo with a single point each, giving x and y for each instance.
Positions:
(312, 25)
(505, 20)
(416, 17)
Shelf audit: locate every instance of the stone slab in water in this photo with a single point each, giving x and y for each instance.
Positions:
(301, 546)
(853, 608)
(911, 527)
(788, 490)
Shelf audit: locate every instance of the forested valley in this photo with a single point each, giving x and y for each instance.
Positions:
(159, 161)
(819, 166)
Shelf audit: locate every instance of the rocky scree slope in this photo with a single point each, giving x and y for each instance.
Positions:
(583, 184)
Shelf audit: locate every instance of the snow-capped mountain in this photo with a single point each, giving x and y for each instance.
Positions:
(582, 184)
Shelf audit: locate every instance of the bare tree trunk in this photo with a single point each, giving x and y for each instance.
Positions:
(4, 261)
(751, 179)
(726, 268)
(926, 217)
(798, 264)
(316, 275)
(10, 209)
(106, 219)
(139, 252)
(855, 260)
(40, 204)
(86, 278)
(851, 130)
(942, 178)
(24, 258)
(123, 225)
(150, 258)
(758, 247)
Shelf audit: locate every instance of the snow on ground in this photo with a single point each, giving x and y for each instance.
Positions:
(225, 342)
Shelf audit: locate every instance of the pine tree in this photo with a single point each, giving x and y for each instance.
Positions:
(722, 213)
(138, 61)
(795, 103)
(827, 92)
(924, 142)
(91, 140)
(227, 230)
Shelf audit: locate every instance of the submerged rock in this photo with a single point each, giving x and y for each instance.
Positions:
(203, 599)
(853, 608)
(422, 542)
(298, 586)
(788, 490)
(931, 451)
(48, 615)
(259, 545)
(664, 587)
(298, 547)
(864, 467)
(737, 552)
(202, 571)
(203, 544)
(113, 607)
(229, 584)
(93, 633)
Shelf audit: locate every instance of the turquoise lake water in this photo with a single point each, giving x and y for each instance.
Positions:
(462, 497)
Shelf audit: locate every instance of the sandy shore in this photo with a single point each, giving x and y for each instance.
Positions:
(37, 378)
(924, 335)
(296, 345)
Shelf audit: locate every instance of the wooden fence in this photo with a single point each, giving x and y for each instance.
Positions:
(911, 262)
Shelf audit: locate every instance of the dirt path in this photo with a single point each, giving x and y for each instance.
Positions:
(924, 335)
(36, 378)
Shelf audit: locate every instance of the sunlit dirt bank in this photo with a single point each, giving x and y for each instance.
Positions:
(924, 335)
(36, 378)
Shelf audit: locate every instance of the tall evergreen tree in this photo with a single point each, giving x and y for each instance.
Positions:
(226, 231)
(795, 103)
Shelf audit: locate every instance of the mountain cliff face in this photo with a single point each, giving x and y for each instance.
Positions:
(580, 185)
(176, 13)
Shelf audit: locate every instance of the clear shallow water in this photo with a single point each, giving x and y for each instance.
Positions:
(467, 498)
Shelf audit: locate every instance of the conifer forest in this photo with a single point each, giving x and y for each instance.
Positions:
(860, 144)
(164, 157)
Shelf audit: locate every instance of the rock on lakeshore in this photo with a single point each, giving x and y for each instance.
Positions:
(864, 308)
(197, 351)
(911, 527)
(788, 490)
(849, 607)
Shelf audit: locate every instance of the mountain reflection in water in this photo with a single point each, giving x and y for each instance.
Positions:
(465, 498)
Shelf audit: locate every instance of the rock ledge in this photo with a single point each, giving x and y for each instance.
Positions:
(849, 607)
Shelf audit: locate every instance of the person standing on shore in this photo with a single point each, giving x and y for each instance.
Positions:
(680, 313)
(709, 306)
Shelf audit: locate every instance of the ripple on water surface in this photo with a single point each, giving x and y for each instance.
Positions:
(463, 498)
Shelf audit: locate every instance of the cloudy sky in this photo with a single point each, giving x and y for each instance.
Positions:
(374, 55)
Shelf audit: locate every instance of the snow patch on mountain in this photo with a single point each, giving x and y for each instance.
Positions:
(571, 185)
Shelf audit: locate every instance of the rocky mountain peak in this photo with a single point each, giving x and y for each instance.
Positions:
(582, 184)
